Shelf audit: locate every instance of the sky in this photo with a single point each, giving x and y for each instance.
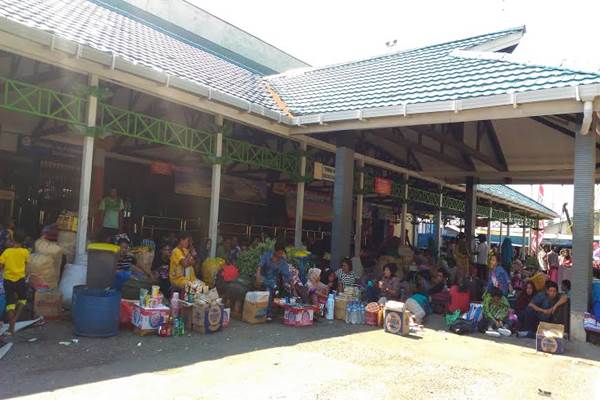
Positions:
(325, 32)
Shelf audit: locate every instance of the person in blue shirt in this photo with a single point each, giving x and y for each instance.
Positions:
(547, 306)
(498, 277)
(272, 267)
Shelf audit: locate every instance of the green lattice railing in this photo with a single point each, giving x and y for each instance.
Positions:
(452, 204)
(34, 100)
(123, 122)
(423, 196)
(258, 156)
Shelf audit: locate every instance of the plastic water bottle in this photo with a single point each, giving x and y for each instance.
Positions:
(362, 314)
(354, 315)
(175, 305)
(348, 312)
(330, 306)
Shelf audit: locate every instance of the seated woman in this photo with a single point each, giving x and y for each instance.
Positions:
(390, 284)
(523, 300)
(317, 290)
(460, 298)
(498, 277)
(418, 303)
(181, 264)
(547, 306)
(495, 314)
(345, 275)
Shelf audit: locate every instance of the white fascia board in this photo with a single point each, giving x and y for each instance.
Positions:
(501, 43)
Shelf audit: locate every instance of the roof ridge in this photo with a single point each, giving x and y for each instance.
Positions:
(297, 71)
(513, 59)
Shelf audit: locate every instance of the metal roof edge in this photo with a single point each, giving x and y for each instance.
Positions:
(551, 214)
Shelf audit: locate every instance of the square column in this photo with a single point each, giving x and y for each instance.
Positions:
(583, 230)
(300, 198)
(215, 190)
(359, 210)
(87, 157)
(404, 210)
(341, 234)
(470, 210)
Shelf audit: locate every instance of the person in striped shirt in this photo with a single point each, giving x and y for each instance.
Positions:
(345, 275)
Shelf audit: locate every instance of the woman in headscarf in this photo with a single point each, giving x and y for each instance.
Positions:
(317, 290)
(507, 254)
(461, 257)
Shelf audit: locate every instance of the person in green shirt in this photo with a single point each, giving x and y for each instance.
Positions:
(494, 321)
(112, 215)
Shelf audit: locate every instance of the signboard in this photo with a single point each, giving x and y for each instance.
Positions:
(161, 168)
(383, 186)
(47, 148)
(317, 206)
(324, 172)
(198, 183)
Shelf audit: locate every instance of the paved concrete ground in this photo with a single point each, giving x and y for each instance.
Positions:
(328, 361)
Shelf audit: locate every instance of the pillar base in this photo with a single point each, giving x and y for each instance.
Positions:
(577, 333)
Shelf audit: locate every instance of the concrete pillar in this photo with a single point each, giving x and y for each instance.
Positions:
(489, 227)
(439, 226)
(529, 244)
(500, 235)
(97, 190)
(404, 210)
(470, 211)
(342, 205)
(583, 230)
(523, 247)
(87, 157)
(215, 190)
(300, 198)
(358, 219)
(508, 225)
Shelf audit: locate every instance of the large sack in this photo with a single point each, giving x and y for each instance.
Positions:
(75, 274)
(66, 241)
(210, 267)
(43, 246)
(42, 271)
(144, 258)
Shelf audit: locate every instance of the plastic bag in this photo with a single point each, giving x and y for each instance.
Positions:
(75, 274)
(450, 318)
(42, 272)
(210, 267)
(66, 241)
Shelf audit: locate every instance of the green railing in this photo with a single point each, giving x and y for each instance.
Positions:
(423, 196)
(123, 122)
(34, 100)
(258, 156)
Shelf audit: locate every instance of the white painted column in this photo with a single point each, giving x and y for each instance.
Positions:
(87, 157)
(359, 209)
(215, 189)
(508, 226)
(489, 227)
(529, 252)
(300, 198)
(523, 237)
(404, 211)
(439, 226)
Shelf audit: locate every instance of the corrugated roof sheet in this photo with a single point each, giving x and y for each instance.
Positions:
(507, 193)
(421, 75)
(103, 29)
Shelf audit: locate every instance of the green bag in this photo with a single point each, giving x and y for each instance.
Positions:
(451, 317)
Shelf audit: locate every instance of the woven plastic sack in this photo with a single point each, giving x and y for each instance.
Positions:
(43, 246)
(42, 271)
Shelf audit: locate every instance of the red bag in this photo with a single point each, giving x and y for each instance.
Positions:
(230, 273)
(126, 311)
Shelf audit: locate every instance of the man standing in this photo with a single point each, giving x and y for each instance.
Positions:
(481, 260)
(553, 264)
(112, 215)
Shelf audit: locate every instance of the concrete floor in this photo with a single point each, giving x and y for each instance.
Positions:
(327, 361)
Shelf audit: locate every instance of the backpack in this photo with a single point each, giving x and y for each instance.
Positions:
(461, 326)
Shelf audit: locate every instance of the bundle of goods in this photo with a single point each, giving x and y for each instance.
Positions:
(355, 313)
(194, 291)
(46, 247)
(143, 257)
(208, 312)
(67, 221)
(66, 241)
(47, 303)
(549, 338)
(300, 259)
(298, 314)
(342, 300)
(396, 319)
(150, 313)
(42, 271)
(374, 314)
(255, 307)
(249, 259)
(209, 270)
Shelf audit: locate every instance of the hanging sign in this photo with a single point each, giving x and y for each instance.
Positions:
(383, 186)
(324, 172)
(161, 168)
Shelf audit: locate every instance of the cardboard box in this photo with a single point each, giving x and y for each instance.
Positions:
(207, 318)
(47, 303)
(298, 315)
(340, 308)
(226, 317)
(396, 320)
(255, 307)
(550, 338)
(186, 312)
(149, 318)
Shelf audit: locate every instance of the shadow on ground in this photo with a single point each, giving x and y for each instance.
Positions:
(94, 360)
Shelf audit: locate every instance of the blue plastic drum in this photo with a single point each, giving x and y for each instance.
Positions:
(596, 290)
(95, 311)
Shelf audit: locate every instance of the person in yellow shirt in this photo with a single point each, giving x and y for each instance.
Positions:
(13, 261)
(181, 265)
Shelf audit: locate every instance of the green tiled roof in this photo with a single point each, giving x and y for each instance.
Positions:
(507, 193)
(428, 74)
